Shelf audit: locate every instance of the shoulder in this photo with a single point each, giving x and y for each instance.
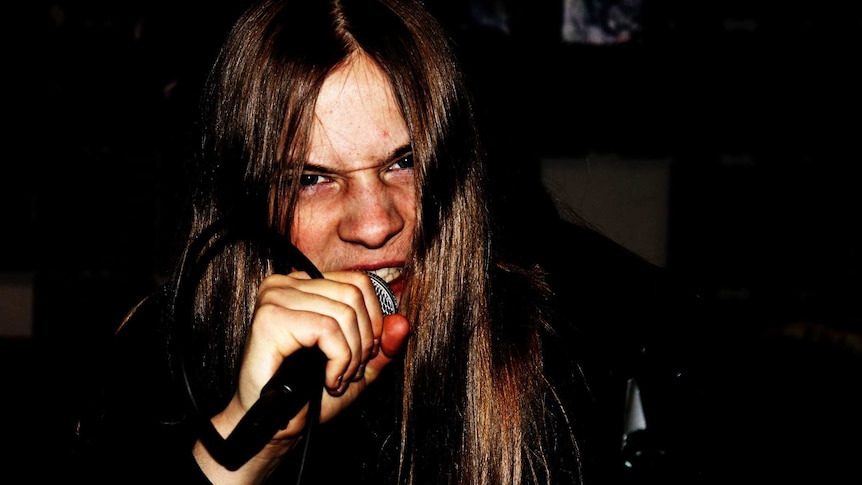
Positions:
(138, 417)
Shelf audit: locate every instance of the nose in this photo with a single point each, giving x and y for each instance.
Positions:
(372, 216)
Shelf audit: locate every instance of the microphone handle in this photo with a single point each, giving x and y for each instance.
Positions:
(297, 380)
(299, 376)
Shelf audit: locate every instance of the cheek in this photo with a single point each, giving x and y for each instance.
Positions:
(402, 192)
(407, 207)
(311, 233)
(408, 203)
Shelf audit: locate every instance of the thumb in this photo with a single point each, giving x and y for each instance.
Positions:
(392, 341)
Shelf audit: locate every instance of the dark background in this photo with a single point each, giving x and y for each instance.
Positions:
(756, 104)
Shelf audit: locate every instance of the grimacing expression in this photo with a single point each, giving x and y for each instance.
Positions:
(357, 199)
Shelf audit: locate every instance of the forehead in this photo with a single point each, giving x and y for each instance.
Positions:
(357, 118)
(358, 76)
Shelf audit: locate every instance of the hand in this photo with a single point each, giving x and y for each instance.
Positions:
(341, 315)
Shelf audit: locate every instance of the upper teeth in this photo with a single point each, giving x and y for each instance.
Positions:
(388, 274)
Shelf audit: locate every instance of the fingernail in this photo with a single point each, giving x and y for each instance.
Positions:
(360, 372)
(342, 385)
(375, 347)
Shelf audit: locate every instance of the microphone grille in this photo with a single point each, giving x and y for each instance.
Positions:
(384, 294)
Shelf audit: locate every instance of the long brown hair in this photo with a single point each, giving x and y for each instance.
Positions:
(475, 399)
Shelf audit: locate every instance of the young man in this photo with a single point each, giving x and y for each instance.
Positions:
(344, 132)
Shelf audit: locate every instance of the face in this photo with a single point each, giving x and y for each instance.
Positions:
(357, 201)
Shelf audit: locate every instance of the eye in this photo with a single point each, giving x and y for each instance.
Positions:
(405, 162)
(311, 179)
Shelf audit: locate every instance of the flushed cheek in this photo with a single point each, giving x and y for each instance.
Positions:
(405, 200)
(315, 237)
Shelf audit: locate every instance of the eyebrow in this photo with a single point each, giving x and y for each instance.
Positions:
(393, 155)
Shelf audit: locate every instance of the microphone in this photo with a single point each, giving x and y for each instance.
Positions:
(299, 378)
(384, 294)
